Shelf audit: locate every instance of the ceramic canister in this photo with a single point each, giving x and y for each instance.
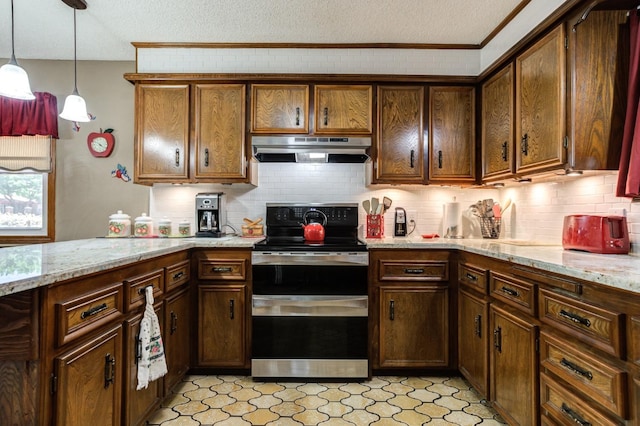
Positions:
(143, 226)
(119, 225)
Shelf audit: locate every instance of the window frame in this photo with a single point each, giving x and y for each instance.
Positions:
(51, 218)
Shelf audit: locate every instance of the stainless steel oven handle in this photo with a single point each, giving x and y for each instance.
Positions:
(310, 258)
(319, 306)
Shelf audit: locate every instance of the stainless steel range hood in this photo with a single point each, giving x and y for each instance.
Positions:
(310, 149)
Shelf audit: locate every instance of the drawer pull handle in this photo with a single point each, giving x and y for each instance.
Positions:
(471, 277)
(510, 291)
(575, 369)
(575, 318)
(505, 151)
(231, 309)
(206, 157)
(439, 159)
(109, 370)
(141, 290)
(221, 269)
(574, 416)
(93, 311)
(497, 339)
(177, 157)
(326, 116)
(392, 310)
(414, 271)
(478, 322)
(297, 116)
(177, 276)
(524, 144)
(412, 158)
(174, 322)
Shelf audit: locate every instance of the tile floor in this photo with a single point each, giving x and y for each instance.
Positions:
(382, 401)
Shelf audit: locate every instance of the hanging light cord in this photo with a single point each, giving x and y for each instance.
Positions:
(75, 56)
(13, 43)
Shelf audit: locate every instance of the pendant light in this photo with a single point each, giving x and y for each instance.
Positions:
(14, 81)
(75, 108)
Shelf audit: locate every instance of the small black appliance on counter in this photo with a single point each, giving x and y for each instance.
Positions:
(210, 215)
(400, 223)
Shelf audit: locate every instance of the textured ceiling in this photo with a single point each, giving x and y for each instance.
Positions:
(44, 28)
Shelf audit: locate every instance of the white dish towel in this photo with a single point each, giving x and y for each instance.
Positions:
(152, 364)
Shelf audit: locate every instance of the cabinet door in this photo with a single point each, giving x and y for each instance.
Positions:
(219, 132)
(88, 385)
(497, 125)
(400, 143)
(597, 89)
(414, 329)
(473, 340)
(222, 326)
(514, 367)
(451, 134)
(279, 108)
(343, 109)
(540, 104)
(162, 133)
(138, 404)
(176, 337)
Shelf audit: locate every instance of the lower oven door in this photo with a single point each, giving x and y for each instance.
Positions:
(309, 336)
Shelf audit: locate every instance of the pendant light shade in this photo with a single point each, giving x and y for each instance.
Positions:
(14, 82)
(75, 108)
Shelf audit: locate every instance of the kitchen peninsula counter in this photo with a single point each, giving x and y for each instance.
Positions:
(31, 266)
(38, 265)
(614, 270)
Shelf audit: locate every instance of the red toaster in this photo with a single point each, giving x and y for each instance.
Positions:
(596, 234)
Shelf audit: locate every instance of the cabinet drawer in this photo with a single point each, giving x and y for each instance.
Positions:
(517, 293)
(473, 277)
(592, 376)
(596, 326)
(222, 269)
(79, 316)
(634, 343)
(563, 406)
(419, 270)
(176, 275)
(135, 288)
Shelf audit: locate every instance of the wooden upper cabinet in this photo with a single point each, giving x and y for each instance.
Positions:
(220, 132)
(540, 104)
(400, 142)
(597, 89)
(497, 125)
(343, 109)
(162, 133)
(452, 134)
(279, 108)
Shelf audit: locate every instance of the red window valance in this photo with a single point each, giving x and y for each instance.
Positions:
(36, 117)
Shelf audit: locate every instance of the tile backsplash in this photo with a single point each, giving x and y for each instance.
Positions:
(537, 209)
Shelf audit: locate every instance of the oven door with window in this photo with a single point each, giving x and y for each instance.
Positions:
(310, 316)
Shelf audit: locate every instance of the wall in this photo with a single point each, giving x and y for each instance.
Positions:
(86, 194)
(537, 210)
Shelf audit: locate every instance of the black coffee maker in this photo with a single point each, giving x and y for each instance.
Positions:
(210, 215)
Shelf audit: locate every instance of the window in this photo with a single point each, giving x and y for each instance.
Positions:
(26, 196)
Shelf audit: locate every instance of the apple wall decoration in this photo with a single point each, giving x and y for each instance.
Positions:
(101, 143)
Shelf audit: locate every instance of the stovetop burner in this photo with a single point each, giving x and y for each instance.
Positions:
(285, 232)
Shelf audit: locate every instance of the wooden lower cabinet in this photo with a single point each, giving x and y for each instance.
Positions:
(414, 328)
(177, 326)
(222, 328)
(514, 366)
(138, 404)
(88, 382)
(473, 340)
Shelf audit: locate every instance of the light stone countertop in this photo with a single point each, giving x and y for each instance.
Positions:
(615, 270)
(31, 266)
